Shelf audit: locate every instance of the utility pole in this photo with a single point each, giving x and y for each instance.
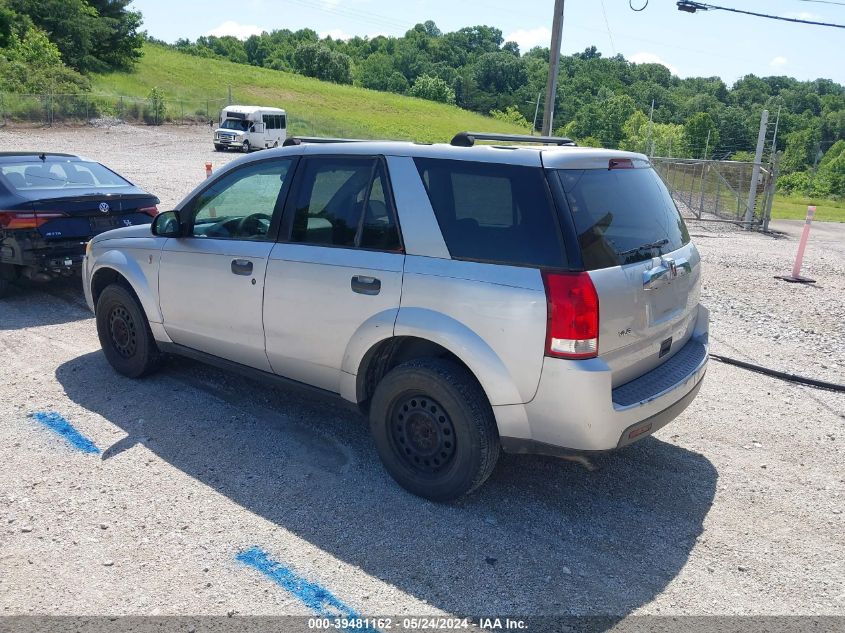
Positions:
(707, 144)
(775, 137)
(554, 67)
(536, 112)
(650, 125)
(755, 172)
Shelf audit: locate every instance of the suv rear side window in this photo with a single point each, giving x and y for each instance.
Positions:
(344, 202)
(492, 212)
(621, 216)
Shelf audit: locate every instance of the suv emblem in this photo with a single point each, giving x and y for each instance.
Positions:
(104, 207)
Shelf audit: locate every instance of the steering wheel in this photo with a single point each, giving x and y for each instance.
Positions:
(251, 226)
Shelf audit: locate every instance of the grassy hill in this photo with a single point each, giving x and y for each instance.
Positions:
(314, 107)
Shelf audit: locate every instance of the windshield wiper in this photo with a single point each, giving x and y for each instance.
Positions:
(643, 247)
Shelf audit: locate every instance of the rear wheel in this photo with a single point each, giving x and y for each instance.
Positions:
(124, 333)
(8, 274)
(434, 429)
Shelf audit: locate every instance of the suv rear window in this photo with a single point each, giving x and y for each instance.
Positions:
(621, 216)
(493, 213)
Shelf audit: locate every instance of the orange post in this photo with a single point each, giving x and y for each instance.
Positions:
(208, 170)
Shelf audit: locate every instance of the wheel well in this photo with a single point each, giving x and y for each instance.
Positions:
(386, 355)
(106, 277)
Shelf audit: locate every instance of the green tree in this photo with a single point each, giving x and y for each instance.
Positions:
(831, 169)
(319, 61)
(701, 134)
(433, 89)
(511, 115)
(802, 147)
(92, 36)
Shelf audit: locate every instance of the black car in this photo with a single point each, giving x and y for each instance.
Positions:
(52, 204)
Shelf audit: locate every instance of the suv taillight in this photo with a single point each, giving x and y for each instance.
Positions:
(26, 219)
(573, 313)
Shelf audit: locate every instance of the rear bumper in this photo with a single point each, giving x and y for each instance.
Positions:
(55, 257)
(576, 408)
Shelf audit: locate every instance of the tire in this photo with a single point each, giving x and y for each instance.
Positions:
(8, 275)
(245, 147)
(434, 429)
(218, 148)
(124, 333)
(275, 145)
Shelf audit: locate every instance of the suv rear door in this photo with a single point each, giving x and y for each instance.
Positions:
(338, 265)
(635, 245)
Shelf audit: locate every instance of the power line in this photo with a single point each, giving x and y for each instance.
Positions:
(841, 4)
(691, 7)
(607, 24)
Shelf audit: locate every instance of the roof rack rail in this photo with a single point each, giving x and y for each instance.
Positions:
(299, 140)
(468, 139)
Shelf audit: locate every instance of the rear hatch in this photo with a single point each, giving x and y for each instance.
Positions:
(635, 246)
(72, 199)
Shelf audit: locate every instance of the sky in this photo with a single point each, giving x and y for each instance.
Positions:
(703, 44)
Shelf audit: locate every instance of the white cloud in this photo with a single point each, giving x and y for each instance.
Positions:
(778, 62)
(335, 34)
(529, 38)
(644, 57)
(241, 31)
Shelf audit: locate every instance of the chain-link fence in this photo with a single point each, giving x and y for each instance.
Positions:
(53, 109)
(78, 109)
(720, 191)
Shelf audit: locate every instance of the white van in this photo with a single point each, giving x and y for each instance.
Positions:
(250, 127)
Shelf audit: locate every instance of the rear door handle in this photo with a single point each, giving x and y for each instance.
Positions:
(242, 267)
(366, 285)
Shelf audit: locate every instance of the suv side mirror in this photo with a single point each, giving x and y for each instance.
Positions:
(167, 224)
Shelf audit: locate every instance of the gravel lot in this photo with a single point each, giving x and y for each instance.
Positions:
(736, 508)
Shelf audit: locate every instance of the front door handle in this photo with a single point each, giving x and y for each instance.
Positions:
(366, 285)
(242, 267)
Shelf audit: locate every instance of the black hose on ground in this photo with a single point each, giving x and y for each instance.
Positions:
(802, 380)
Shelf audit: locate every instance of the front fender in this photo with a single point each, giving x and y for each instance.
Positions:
(485, 364)
(143, 279)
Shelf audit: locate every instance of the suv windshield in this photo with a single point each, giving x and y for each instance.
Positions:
(27, 175)
(235, 124)
(621, 216)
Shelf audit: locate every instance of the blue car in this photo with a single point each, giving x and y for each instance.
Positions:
(52, 204)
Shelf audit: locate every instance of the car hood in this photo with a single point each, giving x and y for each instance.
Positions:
(140, 230)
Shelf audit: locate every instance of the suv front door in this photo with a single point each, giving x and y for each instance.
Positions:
(340, 266)
(211, 283)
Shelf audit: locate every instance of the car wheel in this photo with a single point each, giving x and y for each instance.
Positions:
(218, 148)
(275, 145)
(8, 274)
(434, 429)
(125, 334)
(245, 147)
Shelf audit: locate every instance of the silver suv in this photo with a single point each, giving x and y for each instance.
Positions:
(469, 298)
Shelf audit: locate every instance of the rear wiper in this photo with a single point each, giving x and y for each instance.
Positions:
(643, 247)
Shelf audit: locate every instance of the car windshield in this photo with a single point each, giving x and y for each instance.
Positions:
(28, 175)
(235, 124)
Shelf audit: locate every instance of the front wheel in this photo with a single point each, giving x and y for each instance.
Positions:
(218, 147)
(245, 147)
(125, 334)
(434, 429)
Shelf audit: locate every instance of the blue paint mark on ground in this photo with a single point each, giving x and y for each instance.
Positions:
(314, 596)
(56, 423)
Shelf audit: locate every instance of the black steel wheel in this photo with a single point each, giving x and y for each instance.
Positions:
(434, 429)
(124, 332)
